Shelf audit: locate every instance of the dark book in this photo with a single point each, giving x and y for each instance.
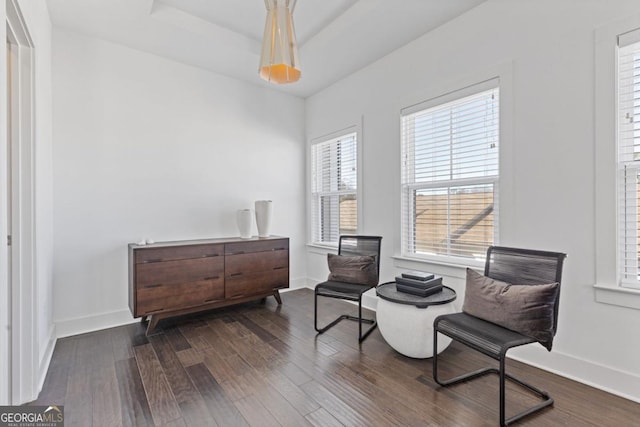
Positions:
(417, 275)
(419, 283)
(417, 291)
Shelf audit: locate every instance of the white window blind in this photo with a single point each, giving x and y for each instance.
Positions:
(628, 138)
(450, 174)
(334, 185)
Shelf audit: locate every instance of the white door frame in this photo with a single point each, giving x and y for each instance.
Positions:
(18, 116)
(5, 304)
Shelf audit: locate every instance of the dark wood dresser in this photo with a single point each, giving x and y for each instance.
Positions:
(168, 279)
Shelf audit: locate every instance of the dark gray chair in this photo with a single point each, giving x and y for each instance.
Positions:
(517, 266)
(349, 246)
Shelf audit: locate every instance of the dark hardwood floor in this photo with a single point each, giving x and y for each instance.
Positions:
(263, 365)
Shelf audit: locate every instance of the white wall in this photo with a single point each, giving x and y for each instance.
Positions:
(544, 52)
(149, 148)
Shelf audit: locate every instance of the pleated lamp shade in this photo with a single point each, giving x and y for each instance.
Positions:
(279, 58)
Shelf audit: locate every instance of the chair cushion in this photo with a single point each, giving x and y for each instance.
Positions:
(527, 309)
(486, 337)
(353, 269)
(341, 290)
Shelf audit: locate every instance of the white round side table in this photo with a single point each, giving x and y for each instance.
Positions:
(406, 321)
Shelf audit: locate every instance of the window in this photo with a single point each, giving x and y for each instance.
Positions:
(450, 174)
(616, 162)
(628, 138)
(334, 184)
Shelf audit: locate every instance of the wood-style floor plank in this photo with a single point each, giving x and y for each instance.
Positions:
(121, 341)
(78, 392)
(133, 400)
(281, 408)
(322, 418)
(291, 391)
(107, 409)
(220, 407)
(177, 340)
(264, 365)
(256, 414)
(162, 403)
(191, 403)
(55, 383)
(345, 413)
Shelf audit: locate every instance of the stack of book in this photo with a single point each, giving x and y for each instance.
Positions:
(418, 283)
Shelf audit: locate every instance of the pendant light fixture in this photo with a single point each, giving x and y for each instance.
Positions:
(279, 58)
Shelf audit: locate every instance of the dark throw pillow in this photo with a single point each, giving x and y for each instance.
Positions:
(527, 309)
(353, 269)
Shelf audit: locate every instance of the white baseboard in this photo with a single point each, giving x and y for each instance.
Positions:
(294, 284)
(611, 380)
(82, 325)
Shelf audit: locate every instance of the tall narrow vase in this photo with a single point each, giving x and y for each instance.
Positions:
(263, 217)
(243, 217)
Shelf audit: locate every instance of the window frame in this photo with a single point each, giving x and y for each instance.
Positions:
(407, 189)
(342, 133)
(628, 170)
(607, 287)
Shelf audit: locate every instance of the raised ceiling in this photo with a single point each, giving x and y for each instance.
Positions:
(335, 37)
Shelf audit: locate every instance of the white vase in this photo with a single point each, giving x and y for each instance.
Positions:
(263, 217)
(243, 217)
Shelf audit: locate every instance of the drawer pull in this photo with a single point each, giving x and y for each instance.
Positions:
(237, 253)
(278, 249)
(212, 299)
(212, 278)
(210, 255)
(153, 260)
(235, 274)
(279, 268)
(155, 285)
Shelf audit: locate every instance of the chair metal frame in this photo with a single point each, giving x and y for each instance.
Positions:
(355, 296)
(519, 339)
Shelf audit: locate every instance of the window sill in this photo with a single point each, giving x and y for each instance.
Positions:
(439, 266)
(317, 248)
(616, 295)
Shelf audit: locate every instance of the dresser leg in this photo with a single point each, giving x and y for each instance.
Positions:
(276, 295)
(153, 322)
(144, 319)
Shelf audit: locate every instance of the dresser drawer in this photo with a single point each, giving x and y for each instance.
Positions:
(169, 253)
(168, 297)
(180, 271)
(254, 262)
(245, 284)
(256, 246)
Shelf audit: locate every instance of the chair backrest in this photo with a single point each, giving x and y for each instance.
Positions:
(525, 267)
(361, 245)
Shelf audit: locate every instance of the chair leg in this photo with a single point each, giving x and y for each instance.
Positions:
(359, 319)
(461, 378)
(547, 400)
(315, 317)
(372, 322)
(502, 390)
(503, 376)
